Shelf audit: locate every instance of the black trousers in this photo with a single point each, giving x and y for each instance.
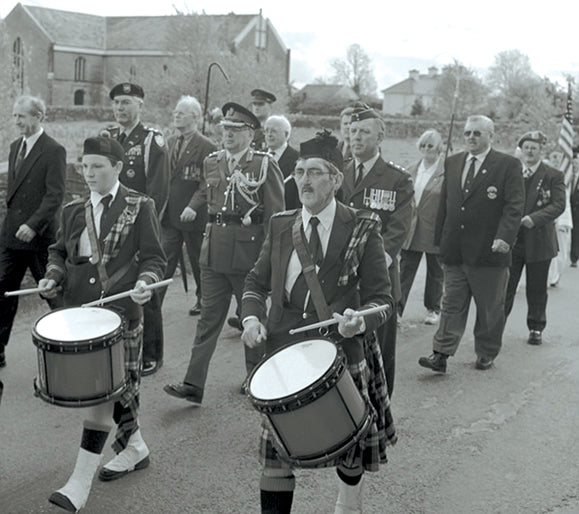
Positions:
(409, 262)
(536, 288)
(13, 266)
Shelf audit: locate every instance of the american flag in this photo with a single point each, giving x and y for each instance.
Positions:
(566, 139)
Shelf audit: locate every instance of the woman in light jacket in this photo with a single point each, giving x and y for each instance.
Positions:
(428, 175)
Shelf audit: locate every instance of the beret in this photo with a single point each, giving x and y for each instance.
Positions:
(364, 114)
(235, 115)
(128, 89)
(536, 136)
(323, 146)
(260, 95)
(105, 146)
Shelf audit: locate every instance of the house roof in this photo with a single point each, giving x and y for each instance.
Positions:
(140, 33)
(324, 93)
(424, 85)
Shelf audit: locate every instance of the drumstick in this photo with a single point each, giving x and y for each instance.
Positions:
(124, 294)
(328, 322)
(21, 292)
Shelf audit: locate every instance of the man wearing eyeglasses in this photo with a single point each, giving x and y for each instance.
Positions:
(242, 188)
(373, 184)
(480, 212)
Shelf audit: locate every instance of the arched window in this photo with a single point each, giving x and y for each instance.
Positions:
(79, 69)
(18, 65)
(79, 97)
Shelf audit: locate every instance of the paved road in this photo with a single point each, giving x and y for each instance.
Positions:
(501, 441)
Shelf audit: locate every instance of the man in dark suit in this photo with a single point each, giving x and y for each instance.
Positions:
(481, 205)
(261, 106)
(277, 133)
(536, 242)
(386, 189)
(146, 170)
(36, 183)
(240, 188)
(326, 228)
(181, 222)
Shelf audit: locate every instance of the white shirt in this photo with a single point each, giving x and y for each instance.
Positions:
(278, 152)
(326, 218)
(532, 168)
(84, 249)
(368, 165)
(423, 175)
(31, 141)
(477, 164)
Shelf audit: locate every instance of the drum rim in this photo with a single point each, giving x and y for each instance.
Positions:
(81, 345)
(80, 403)
(304, 396)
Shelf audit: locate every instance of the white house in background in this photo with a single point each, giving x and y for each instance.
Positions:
(399, 98)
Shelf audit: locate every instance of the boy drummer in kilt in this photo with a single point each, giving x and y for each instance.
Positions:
(108, 243)
(350, 267)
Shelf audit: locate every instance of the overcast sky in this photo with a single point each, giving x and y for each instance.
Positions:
(398, 35)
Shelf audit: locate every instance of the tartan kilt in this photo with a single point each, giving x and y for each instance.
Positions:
(370, 452)
(133, 341)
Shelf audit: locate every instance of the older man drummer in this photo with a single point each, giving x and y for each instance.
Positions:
(94, 254)
(319, 261)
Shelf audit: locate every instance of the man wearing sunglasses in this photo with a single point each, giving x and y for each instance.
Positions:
(480, 212)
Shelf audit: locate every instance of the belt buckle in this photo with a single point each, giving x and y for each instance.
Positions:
(219, 218)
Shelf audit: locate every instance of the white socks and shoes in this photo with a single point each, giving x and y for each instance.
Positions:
(350, 498)
(134, 457)
(72, 497)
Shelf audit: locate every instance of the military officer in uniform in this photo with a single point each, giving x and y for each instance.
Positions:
(242, 188)
(146, 169)
(372, 183)
(261, 106)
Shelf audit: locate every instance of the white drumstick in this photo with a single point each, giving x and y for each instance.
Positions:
(21, 292)
(125, 294)
(329, 322)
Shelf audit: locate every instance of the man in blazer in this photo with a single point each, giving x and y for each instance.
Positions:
(36, 183)
(279, 271)
(277, 133)
(536, 242)
(480, 213)
(187, 150)
(373, 184)
(146, 170)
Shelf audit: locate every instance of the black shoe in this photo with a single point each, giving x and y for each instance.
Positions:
(195, 310)
(483, 363)
(535, 337)
(235, 322)
(187, 392)
(436, 362)
(150, 367)
(2, 359)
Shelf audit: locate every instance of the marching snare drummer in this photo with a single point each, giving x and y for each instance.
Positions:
(108, 243)
(350, 273)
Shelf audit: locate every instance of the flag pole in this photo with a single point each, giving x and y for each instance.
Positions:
(452, 114)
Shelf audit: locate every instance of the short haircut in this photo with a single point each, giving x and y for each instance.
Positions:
(490, 125)
(36, 106)
(283, 120)
(432, 136)
(193, 103)
(346, 112)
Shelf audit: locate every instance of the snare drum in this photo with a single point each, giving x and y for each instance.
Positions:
(309, 397)
(81, 356)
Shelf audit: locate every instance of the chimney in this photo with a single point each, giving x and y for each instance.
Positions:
(432, 71)
(413, 74)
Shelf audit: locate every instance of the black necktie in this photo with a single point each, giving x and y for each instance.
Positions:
(469, 175)
(105, 200)
(176, 152)
(20, 157)
(122, 137)
(315, 243)
(359, 174)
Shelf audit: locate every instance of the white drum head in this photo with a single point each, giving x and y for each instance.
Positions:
(292, 369)
(78, 324)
